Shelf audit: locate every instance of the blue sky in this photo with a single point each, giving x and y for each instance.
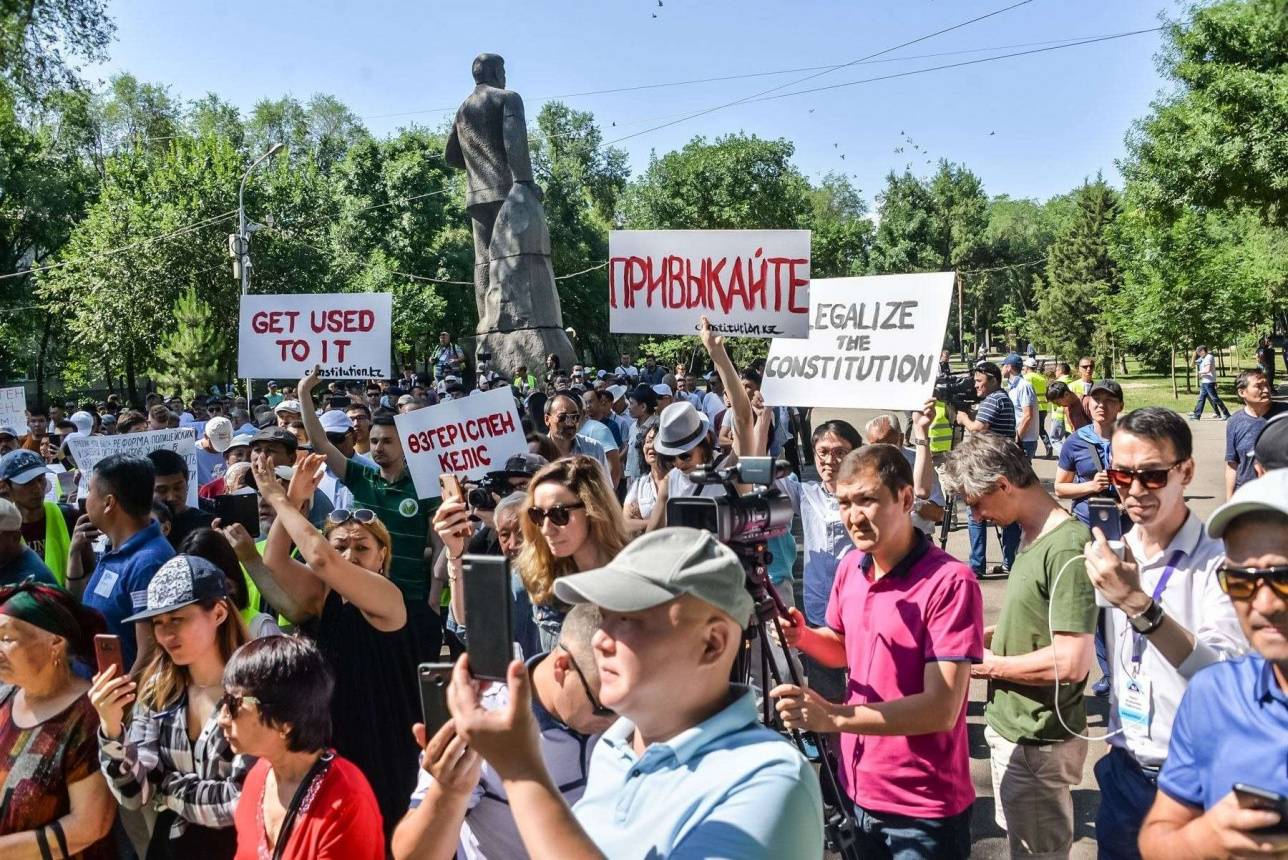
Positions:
(1030, 126)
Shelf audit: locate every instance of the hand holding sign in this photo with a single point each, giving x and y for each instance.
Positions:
(468, 437)
(304, 390)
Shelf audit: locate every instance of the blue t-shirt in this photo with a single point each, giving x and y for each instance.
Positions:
(118, 588)
(1241, 433)
(612, 428)
(998, 412)
(1075, 456)
(1231, 722)
(27, 564)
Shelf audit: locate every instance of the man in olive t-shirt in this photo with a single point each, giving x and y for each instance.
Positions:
(1040, 651)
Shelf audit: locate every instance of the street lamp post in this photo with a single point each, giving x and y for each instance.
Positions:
(243, 238)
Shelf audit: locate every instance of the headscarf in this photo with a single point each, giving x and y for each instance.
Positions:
(54, 611)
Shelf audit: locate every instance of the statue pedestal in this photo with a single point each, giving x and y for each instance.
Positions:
(520, 320)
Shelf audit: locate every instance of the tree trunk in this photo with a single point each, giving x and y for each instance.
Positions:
(40, 361)
(131, 387)
(1176, 395)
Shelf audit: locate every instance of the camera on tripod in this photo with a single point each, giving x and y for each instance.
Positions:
(957, 390)
(736, 518)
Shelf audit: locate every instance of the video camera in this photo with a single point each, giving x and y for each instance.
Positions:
(957, 390)
(484, 493)
(736, 518)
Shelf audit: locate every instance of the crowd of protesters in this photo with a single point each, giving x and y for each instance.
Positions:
(179, 683)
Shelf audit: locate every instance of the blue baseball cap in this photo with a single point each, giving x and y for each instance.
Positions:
(22, 466)
(1014, 360)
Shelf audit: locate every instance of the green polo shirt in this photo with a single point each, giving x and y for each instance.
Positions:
(1024, 713)
(406, 517)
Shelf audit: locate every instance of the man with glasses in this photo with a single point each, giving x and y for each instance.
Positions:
(994, 415)
(1086, 376)
(460, 803)
(1170, 618)
(1232, 723)
(563, 418)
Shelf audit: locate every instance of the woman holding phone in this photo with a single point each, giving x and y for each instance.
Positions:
(54, 797)
(342, 582)
(171, 755)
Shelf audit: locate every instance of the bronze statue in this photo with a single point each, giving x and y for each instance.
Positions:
(520, 321)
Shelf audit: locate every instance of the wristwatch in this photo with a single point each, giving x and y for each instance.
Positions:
(1148, 621)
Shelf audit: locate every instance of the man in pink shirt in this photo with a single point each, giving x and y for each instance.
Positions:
(907, 620)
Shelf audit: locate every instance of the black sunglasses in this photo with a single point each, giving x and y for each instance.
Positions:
(233, 702)
(1151, 479)
(595, 707)
(1242, 582)
(558, 514)
(343, 515)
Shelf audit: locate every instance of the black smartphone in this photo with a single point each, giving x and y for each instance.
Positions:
(489, 619)
(1106, 517)
(239, 508)
(1251, 797)
(434, 678)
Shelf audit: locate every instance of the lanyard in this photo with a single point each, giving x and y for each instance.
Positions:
(1138, 641)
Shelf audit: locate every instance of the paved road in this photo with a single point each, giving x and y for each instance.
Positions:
(1205, 493)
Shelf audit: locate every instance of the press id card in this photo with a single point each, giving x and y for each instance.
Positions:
(1134, 705)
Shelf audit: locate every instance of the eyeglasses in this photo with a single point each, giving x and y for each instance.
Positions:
(558, 514)
(1242, 582)
(233, 702)
(343, 515)
(1150, 479)
(832, 454)
(568, 418)
(595, 707)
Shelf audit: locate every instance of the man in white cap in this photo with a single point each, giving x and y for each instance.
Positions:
(211, 446)
(288, 412)
(665, 397)
(17, 560)
(1232, 724)
(688, 771)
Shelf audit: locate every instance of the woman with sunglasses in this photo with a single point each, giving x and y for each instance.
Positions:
(301, 801)
(54, 798)
(642, 494)
(343, 584)
(573, 524)
(170, 755)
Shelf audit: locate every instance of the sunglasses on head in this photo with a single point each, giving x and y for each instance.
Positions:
(343, 515)
(233, 702)
(595, 707)
(1242, 582)
(1150, 479)
(560, 515)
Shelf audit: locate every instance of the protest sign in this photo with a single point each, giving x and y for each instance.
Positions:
(347, 334)
(88, 450)
(467, 437)
(749, 283)
(873, 344)
(13, 409)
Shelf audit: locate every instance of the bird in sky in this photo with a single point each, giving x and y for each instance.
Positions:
(843, 156)
(991, 133)
(654, 14)
(834, 146)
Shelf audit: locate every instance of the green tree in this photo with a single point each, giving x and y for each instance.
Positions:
(188, 360)
(841, 238)
(1075, 298)
(42, 40)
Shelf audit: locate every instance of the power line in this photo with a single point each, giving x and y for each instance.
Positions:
(828, 70)
(114, 251)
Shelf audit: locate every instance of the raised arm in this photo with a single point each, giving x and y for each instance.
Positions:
(923, 466)
(284, 600)
(335, 461)
(379, 599)
(739, 402)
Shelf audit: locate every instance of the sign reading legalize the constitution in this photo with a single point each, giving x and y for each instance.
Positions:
(13, 409)
(88, 450)
(467, 437)
(346, 333)
(749, 283)
(874, 343)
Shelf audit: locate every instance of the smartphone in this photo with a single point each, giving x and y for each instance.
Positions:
(1251, 797)
(452, 489)
(434, 678)
(1106, 517)
(239, 508)
(107, 651)
(489, 619)
(80, 506)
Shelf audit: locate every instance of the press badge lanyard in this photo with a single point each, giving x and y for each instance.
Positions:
(1138, 639)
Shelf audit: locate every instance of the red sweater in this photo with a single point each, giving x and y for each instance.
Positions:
(340, 822)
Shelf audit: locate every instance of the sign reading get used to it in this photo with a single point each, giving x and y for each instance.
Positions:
(749, 283)
(874, 343)
(348, 334)
(467, 437)
(13, 409)
(88, 450)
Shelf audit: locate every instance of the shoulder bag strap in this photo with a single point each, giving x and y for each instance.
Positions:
(318, 771)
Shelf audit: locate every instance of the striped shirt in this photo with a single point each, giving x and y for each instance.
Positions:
(156, 766)
(997, 411)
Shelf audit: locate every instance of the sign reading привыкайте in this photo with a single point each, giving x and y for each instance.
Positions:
(873, 344)
(749, 283)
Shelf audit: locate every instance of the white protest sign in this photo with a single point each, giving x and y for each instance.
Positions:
(749, 283)
(88, 450)
(468, 437)
(13, 409)
(285, 336)
(874, 343)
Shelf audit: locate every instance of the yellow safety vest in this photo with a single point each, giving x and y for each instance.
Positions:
(941, 430)
(58, 542)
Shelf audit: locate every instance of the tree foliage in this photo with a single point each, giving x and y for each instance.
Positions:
(188, 360)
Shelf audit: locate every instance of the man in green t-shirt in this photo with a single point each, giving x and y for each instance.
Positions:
(1040, 652)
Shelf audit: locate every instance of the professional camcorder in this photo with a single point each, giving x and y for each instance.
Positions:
(957, 390)
(484, 493)
(736, 518)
